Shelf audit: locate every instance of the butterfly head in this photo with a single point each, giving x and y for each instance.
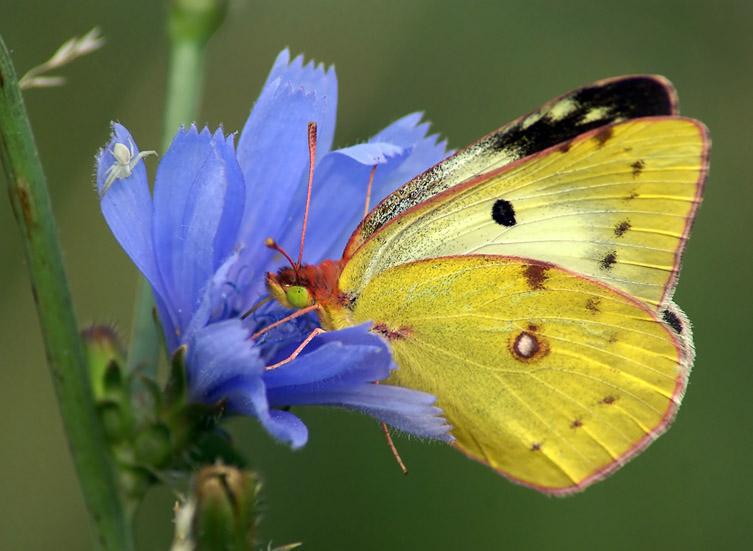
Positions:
(305, 285)
(289, 289)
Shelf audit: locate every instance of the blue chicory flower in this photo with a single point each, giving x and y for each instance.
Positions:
(199, 241)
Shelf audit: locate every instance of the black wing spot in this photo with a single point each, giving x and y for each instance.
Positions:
(536, 276)
(608, 261)
(673, 320)
(565, 147)
(638, 167)
(621, 228)
(592, 304)
(604, 135)
(503, 213)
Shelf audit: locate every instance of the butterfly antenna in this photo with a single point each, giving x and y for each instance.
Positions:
(368, 192)
(272, 244)
(312, 157)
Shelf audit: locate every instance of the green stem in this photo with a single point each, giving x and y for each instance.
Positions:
(27, 189)
(190, 23)
(184, 82)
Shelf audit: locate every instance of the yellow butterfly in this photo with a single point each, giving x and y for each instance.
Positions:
(527, 280)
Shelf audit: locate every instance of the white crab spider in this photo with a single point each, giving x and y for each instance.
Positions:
(123, 165)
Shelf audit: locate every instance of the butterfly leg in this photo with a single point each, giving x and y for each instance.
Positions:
(391, 444)
(294, 355)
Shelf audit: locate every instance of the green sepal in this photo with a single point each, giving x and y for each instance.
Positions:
(112, 380)
(189, 421)
(153, 446)
(113, 421)
(216, 446)
(152, 393)
(177, 386)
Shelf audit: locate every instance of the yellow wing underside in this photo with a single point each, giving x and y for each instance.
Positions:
(615, 205)
(550, 378)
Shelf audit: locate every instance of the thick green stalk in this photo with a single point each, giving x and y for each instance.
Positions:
(190, 25)
(27, 189)
(184, 82)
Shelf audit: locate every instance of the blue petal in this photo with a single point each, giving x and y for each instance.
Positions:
(247, 396)
(313, 78)
(338, 369)
(219, 299)
(224, 363)
(425, 152)
(251, 400)
(218, 355)
(199, 196)
(351, 355)
(273, 147)
(341, 181)
(285, 426)
(408, 410)
(127, 208)
(372, 153)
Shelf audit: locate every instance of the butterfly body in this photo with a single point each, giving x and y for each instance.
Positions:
(526, 282)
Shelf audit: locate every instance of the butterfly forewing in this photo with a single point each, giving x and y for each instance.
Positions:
(594, 106)
(548, 377)
(614, 204)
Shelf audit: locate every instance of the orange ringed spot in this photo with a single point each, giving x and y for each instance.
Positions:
(528, 347)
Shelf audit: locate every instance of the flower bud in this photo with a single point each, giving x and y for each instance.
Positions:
(221, 512)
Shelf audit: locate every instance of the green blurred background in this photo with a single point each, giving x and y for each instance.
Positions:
(471, 66)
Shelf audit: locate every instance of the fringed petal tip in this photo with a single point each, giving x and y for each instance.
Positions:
(405, 409)
(312, 77)
(372, 153)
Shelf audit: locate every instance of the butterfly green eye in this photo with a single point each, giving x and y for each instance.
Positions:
(297, 296)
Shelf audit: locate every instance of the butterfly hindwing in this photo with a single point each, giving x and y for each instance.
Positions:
(599, 104)
(615, 204)
(550, 378)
